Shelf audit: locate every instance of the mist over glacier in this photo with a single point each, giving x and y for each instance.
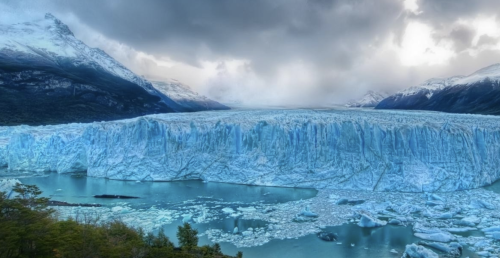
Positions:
(336, 149)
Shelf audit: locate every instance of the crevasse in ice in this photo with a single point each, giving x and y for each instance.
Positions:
(341, 149)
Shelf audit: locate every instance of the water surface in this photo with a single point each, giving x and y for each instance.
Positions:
(81, 189)
(353, 241)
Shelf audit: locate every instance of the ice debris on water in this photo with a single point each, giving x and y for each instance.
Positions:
(398, 208)
(368, 221)
(417, 251)
(7, 185)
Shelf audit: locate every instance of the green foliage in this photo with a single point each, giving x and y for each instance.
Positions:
(187, 236)
(25, 223)
(29, 229)
(159, 246)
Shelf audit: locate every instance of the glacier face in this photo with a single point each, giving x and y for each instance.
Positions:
(338, 149)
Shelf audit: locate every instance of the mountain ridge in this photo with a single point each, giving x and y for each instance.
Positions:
(477, 93)
(184, 96)
(370, 99)
(48, 76)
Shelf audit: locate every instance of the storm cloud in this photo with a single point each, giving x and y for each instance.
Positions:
(285, 52)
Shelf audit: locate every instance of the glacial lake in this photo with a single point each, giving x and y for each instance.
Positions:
(495, 187)
(353, 241)
(77, 188)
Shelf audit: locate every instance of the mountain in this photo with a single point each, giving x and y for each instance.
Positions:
(370, 99)
(185, 97)
(47, 76)
(478, 93)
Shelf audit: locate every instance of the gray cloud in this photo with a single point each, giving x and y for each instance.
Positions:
(487, 40)
(444, 12)
(462, 36)
(267, 32)
(338, 41)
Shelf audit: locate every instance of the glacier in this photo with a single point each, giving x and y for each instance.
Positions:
(377, 150)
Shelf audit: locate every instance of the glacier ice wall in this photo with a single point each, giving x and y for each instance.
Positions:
(343, 149)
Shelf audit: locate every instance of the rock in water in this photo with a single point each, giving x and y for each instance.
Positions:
(327, 236)
(367, 221)
(115, 196)
(395, 222)
(417, 251)
(355, 202)
(342, 202)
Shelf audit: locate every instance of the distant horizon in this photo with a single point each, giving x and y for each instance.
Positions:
(283, 53)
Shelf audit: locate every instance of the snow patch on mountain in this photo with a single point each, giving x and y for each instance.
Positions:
(370, 99)
(431, 86)
(51, 39)
(178, 91)
(491, 72)
(185, 97)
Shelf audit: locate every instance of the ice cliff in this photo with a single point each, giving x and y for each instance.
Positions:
(342, 149)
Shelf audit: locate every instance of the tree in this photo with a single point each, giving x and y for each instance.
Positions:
(29, 229)
(26, 223)
(187, 236)
(216, 249)
(239, 254)
(159, 246)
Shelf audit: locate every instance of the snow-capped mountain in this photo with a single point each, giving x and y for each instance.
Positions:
(51, 39)
(48, 76)
(370, 99)
(185, 97)
(477, 93)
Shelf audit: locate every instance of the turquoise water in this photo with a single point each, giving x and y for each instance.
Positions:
(368, 243)
(495, 187)
(81, 189)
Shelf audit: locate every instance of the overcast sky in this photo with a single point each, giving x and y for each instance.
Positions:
(283, 52)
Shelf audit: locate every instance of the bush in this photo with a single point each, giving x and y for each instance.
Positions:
(29, 229)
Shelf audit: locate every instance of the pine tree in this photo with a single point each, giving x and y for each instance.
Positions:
(187, 236)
